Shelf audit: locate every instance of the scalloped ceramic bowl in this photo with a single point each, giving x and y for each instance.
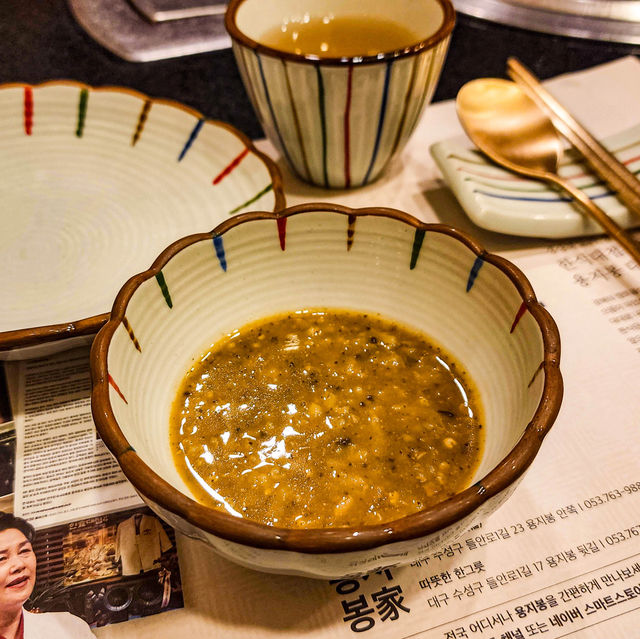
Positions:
(477, 305)
(95, 183)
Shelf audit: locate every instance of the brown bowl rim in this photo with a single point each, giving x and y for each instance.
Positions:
(448, 22)
(337, 540)
(85, 327)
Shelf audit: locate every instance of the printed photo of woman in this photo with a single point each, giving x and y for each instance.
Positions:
(17, 579)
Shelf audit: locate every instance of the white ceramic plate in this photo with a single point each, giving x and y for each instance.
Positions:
(95, 182)
(498, 200)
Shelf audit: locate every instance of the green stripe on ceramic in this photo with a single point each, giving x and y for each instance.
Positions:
(255, 198)
(83, 102)
(164, 288)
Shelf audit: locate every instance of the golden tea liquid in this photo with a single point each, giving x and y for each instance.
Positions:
(338, 37)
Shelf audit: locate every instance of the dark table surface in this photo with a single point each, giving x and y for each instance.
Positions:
(42, 41)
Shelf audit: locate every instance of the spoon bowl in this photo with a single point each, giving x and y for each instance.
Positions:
(506, 124)
(512, 131)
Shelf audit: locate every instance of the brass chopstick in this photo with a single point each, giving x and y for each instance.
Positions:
(606, 165)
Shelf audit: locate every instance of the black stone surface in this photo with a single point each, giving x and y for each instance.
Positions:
(41, 41)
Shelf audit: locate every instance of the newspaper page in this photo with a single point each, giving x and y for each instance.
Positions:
(101, 554)
(64, 470)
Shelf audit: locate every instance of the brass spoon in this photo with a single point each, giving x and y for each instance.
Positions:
(510, 128)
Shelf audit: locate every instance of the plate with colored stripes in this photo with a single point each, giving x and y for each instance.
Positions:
(498, 200)
(95, 182)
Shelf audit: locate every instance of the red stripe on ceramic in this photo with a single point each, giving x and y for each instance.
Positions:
(117, 390)
(28, 110)
(229, 168)
(282, 231)
(521, 311)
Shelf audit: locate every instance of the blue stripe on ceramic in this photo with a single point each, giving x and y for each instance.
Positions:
(323, 124)
(164, 288)
(191, 139)
(270, 105)
(219, 247)
(523, 198)
(82, 111)
(383, 113)
(475, 269)
(417, 245)
(142, 118)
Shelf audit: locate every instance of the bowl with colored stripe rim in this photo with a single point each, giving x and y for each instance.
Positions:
(431, 277)
(97, 181)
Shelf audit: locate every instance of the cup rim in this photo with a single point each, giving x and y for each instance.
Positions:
(328, 540)
(445, 29)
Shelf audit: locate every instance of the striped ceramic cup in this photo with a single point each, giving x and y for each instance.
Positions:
(339, 85)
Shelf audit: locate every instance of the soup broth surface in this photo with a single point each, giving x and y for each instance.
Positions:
(325, 418)
(340, 36)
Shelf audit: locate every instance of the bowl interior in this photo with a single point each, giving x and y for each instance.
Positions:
(428, 279)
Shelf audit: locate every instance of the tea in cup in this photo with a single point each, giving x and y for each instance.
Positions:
(339, 85)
